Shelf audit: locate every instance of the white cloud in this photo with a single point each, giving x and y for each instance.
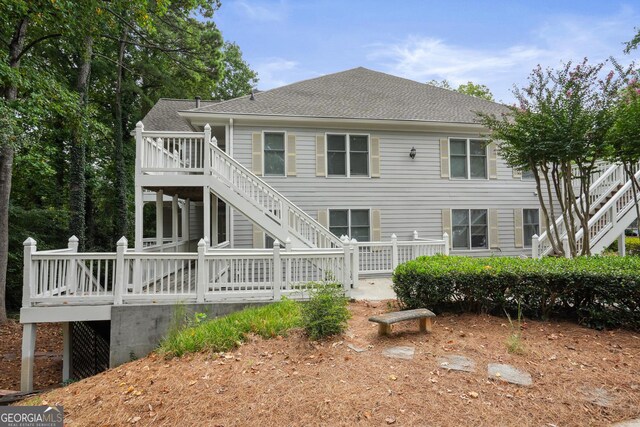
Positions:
(557, 40)
(272, 11)
(275, 72)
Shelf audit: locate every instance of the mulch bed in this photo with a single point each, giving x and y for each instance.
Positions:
(292, 381)
(48, 364)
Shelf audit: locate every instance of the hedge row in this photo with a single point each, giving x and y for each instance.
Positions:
(597, 291)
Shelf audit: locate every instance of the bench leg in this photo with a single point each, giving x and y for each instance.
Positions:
(384, 329)
(425, 324)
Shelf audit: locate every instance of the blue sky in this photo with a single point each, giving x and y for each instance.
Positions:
(496, 43)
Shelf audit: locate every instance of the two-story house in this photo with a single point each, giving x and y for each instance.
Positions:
(367, 155)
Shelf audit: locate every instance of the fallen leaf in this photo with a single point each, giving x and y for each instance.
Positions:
(390, 420)
(473, 394)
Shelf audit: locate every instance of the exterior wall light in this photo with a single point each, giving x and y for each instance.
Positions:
(412, 153)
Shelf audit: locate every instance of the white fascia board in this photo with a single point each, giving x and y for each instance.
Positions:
(66, 313)
(201, 118)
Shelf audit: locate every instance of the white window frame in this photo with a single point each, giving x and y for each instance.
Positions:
(468, 158)
(264, 158)
(471, 248)
(524, 240)
(347, 154)
(349, 219)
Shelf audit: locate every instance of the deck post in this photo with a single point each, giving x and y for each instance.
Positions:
(201, 269)
(207, 150)
(622, 249)
(445, 237)
(28, 356)
(206, 211)
(139, 148)
(287, 272)
(347, 277)
(394, 251)
(277, 271)
(28, 276)
(174, 219)
(159, 217)
(139, 215)
(186, 220)
(72, 281)
(119, 279)
(66, 351)
(355, 263)
(535, 244)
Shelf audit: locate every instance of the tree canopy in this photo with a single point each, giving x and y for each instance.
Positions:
(469, 88)
(76, 77)
(560, 127)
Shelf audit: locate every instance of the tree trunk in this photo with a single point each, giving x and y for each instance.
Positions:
(77, 180)
(6, 165)
(121, 225)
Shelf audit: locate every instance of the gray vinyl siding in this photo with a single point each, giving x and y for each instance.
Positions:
(410, 194)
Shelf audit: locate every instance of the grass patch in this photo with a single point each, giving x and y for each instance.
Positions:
(225, 333)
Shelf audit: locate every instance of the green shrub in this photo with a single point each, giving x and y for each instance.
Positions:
(597, 291)
(225, 333)
(326, 312)
(633, 245)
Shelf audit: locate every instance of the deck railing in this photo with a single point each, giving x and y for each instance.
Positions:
(197, 153)
(384, 257)
(66, 277)
(172, 152)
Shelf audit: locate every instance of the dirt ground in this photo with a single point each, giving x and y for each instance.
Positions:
(580, 377)
(48, 365)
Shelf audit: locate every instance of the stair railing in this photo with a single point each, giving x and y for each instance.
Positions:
(273, 203)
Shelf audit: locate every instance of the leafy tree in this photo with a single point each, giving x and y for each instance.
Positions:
(238, 78)
(558, 131)
(470, 88)
(633, 43)
(624, 134)
(444, 84)
(477, 90)
(76, 77)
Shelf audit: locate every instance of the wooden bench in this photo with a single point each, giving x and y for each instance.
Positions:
(386, 320)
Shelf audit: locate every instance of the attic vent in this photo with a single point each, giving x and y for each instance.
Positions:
(198, 101)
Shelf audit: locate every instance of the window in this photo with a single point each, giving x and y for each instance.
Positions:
(350, 222)
(347, 155)
(470, 229)
(527, 175)
(274, 155)
(530, 225)
(468, 158)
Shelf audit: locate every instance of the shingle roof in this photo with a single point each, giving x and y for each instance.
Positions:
(361, 93)
(164, 115)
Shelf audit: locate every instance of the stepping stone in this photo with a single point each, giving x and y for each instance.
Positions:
(356, 349)
(399, 352)
(598, 396)
(508, 373)
(457, 363)
(628, 423)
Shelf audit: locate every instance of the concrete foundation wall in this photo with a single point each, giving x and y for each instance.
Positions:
(136, 330)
